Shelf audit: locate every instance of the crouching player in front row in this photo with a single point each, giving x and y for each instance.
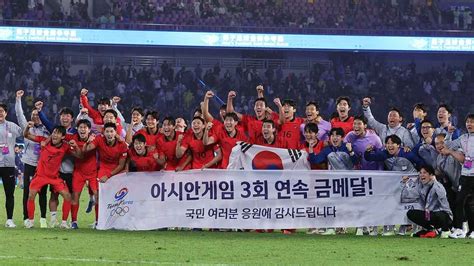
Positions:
(53, 150)
(434, 209)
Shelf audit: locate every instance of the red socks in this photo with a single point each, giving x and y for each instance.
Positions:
(31, 209)
(66, 209)
(74, 211)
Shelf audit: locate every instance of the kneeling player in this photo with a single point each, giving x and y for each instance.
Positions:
(52, 153)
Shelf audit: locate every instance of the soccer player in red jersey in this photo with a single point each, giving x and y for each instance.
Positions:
(97, 116)
(52, 152)
(166, 144)
(226, 138)
(289, 124)
(269, 137)
(85, 169)
(312, 144)
(139, 158)
(203, 156)
(151, 131)
(343, 120)
(253, 124)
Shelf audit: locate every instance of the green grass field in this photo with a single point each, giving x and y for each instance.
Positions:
(86, 246)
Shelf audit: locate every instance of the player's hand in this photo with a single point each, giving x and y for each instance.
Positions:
(445, 151)
(410, 125)
(91, 138)
(428, 140)
(277, 102)
(405, 178)
(407, 149)
(156, 156)
(116, 99)
(30, 124)
(180, 137)
(84, 92)
(369, 148)
(103, 179)
(45, 142)
(366, 101)
(179, 169)
(231, 95)
(209, 94)
(209, 125)
(451, 129)
(19, 94)
(259, 89)
(349, 147)
(73, 143)
(39, 105)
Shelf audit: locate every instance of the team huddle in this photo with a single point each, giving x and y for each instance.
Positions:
(98, 144)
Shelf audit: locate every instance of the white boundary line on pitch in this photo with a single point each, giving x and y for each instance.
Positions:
(85, 260)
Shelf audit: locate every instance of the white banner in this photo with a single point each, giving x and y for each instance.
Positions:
(251, 199)
(248, 156)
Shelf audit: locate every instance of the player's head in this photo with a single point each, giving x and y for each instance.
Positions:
(440, 141)
(66, 116)
(268, 129)
(259, 107)
(230, 121)
(151, 119)
(427, 128)
(336, 135)
(312, 110)
(103, 104)
(343, 106)
(110, 116)
(223, 111)
(137, 114)
(360, 125)
(83, 128)
(57, 135)
(197, 124)
(444, 113)
(35, 117)
(168, 126)
(198, 112)
(289, 108)
(392, 144)
(181, 125)
(110, 132)
(420, 110)
(311, 132)
(394, 117)
(470, 122)
(139, 144)
(427, 174)
(3, 112)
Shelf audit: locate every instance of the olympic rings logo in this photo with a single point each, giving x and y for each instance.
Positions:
(120, 211)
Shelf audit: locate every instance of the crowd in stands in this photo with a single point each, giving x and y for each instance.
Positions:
(257, 14)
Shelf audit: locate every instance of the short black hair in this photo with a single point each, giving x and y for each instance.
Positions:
(339, 131)
(104, 100)
(428, 168)
(343, 98)
(395, 109)
(469, 116)
(268, 121)
(111, 111)
(60, 129)
(85, 122)
(233, 116)
(223, 107)
(170, 120)
(421, 106)
(361, 118)
(261, 99)
(427, 121)
(290, 102)
(153, 114)
(66, 111)
(315, 104)
(199, 110)
(137, 109)
(139, 137)
(394, 138)
(199, 118)
(4, 107)
(112, 125)
(445, 106)
(311, 127)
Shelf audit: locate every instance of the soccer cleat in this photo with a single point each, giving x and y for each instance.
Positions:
(471, 236)
(93, 225)
(359, 231)
(388, 230)
(10, 224)
(419, 233)
(29, 224)
(90, 205)
(312, 231)
(444, 234)
(457, 233)
(287, 232)
(64, 225)
(374, 231)
(429, 234)
(402, 230)
(74, 225)
(25, 222)
(329, 232)
(43, 223)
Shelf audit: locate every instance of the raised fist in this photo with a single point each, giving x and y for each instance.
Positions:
(366, 101)
(232, 94)
(84, 91)
(39, 105)
(20, 93)
(260, 88)
(116, 99)
(209, 94)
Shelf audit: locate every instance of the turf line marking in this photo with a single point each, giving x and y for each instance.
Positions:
(85, 260)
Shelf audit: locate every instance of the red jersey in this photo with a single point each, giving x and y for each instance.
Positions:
(168, 149)
(317, 149)
(96, 116)
(149, 136)
(145, 163)
(88, 164)
(253, 126)
(50, 158)
(346, 125)
(277, 142)
(109, 156)
(201, 154)
(290, 131)
(227, 143)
